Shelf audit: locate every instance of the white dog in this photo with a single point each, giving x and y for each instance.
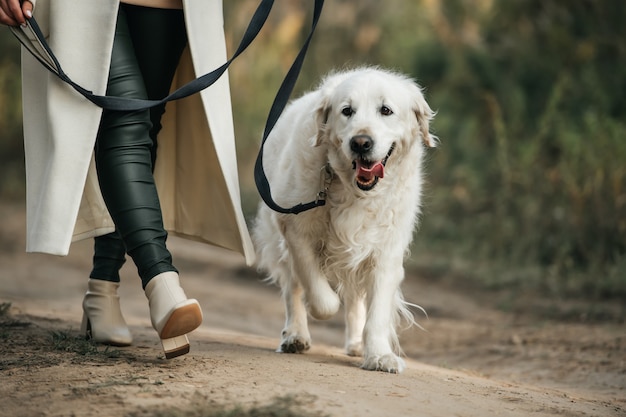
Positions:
(358, 139)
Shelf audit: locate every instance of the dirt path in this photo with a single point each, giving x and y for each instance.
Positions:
(472, 360)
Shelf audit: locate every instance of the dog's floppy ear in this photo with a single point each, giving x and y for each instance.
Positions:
(321, 118)
(424, 115)
(325, 90)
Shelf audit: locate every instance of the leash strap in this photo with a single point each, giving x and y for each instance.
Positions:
(34, 41)
(282, 97)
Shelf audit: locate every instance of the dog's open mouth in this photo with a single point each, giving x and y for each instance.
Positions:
(369, 172)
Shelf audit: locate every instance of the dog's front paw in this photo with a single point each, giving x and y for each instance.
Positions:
(354, 349)
(294, 343)
(323, 302)
(387, 363)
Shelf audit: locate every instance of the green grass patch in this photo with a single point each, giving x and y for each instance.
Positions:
(66, 342)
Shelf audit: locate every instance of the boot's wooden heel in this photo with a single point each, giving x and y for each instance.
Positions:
(175, 346)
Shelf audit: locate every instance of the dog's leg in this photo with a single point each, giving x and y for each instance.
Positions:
(322, 301)
(295, 335)
(355, 320)
(379, 331)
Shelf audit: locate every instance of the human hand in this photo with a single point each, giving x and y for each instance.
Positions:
(15, 12)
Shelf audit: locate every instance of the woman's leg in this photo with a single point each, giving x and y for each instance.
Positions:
(109, 255)
(124, 161)
(158, 38)
(127, 140)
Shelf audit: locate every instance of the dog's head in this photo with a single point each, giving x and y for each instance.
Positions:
(368, 117)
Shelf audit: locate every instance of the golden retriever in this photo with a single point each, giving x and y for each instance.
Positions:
(358, 140)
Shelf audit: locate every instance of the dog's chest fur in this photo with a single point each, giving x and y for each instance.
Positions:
(351, 233)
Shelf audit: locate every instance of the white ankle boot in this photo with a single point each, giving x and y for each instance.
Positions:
(172, 314)
(102, 317)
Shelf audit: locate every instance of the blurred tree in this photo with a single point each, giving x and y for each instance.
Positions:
(534, 122)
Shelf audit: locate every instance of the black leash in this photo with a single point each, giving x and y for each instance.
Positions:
(32, 38)
(282, 97)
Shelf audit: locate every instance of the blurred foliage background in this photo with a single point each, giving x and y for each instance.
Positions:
(527, 191)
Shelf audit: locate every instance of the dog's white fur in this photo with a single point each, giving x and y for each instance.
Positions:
(353, 247)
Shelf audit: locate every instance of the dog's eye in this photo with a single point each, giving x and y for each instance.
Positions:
(347, 111)
(386, 111)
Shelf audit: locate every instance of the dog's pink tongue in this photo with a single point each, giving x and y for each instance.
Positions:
(377, 170)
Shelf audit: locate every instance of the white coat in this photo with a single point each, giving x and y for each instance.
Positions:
(196, 170)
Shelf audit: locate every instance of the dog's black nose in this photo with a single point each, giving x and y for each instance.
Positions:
(361, 144)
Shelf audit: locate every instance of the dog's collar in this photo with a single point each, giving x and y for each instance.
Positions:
(326, 178)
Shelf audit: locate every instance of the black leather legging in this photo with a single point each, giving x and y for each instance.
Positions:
(146, 50)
